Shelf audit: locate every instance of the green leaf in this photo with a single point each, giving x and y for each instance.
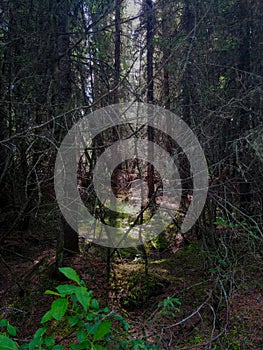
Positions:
(82, 336)
(58, 347)
(91, 316)
(23, 347)
(83, 297)
(40, 332)
(102, 330)
(82, 283)
(98, 347)
(3, 322)
(90, 328)
(95, 304)
(66, 289)
(11, 330)
(123, 322)
(58, 308)
(49, 341)
(70, 274)
(34, 344)
(50, 292)
(73, 320)
(47, 317)
(7, 343)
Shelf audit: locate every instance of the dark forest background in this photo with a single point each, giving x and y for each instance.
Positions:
(202, 60)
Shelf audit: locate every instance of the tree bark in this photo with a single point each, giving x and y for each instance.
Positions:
(149, 9)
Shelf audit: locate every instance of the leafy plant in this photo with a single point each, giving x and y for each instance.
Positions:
(169, 306)
(5, 341)
(88, 324)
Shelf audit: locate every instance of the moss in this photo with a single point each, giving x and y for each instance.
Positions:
(134, 288)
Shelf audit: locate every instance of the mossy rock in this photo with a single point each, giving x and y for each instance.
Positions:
(138, 288)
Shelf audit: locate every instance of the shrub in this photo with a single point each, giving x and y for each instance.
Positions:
(78, 312)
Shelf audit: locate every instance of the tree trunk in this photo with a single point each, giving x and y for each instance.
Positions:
(67, 238)
(149, 8)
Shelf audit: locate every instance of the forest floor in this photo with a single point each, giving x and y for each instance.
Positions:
(204, 320)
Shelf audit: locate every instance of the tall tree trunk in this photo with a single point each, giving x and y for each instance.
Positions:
(67, 238)
(149, 9)
(117, 72)
(188, 22)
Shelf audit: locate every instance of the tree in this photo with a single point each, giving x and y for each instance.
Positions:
(149, 18)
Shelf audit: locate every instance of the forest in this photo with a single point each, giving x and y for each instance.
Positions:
(115, 116)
